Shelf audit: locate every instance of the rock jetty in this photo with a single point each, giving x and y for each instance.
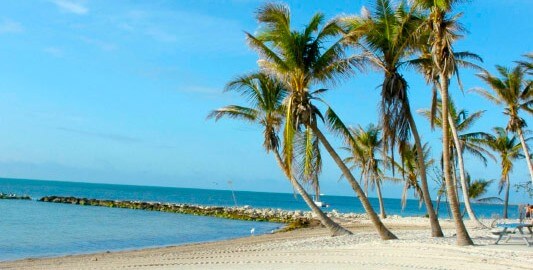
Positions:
(5, 196)
(294, 219)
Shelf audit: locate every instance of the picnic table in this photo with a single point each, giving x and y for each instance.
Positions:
(512, 228)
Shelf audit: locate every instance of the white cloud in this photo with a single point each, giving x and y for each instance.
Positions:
(104, 46)
(8, 26)
(71, 6)
(54, 51)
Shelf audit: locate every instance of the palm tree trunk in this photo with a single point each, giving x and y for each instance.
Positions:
(464, 186)
(454, 176)
(380, 199)
(334, 228)
(436, 230)
(463, 239)
(384, 233)
(438, 205)
(506, 202)
(526, 153)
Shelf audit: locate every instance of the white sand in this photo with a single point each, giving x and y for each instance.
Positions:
(314, 249)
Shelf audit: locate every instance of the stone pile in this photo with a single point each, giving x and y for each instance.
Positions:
(295, 218)
(5, 196)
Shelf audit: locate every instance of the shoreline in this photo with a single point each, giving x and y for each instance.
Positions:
(312, 247)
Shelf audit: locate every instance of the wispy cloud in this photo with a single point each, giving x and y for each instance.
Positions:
(105, 46)
(54, 51)
(107, 136)
(9, 26)
(70, 6)
(174, 27)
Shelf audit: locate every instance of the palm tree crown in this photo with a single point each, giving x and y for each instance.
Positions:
(511, 90)
(470, 141)
(508, 150)
(265, 95)
(387, 37)
(299, 60)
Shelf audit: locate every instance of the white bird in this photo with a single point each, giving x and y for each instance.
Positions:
(252, 231)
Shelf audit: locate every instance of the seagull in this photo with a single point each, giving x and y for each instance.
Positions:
(252, 231)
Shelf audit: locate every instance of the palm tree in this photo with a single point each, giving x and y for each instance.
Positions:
(514, 92)
(478, 188)
(443, 31)
(387, 37)
(508, 150)
(364, 155)
(468, 142)
(300, 60)
(265, 95)
(527, 64)
(410, 171)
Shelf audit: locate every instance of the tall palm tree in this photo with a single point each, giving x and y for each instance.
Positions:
(514, 92)
(468, 142)
(364, 155)
(301, 60)
(443, 30)
(265, 96)
(508, 150)
(387, 37)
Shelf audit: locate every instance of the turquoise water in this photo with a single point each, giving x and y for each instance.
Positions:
(36, 229)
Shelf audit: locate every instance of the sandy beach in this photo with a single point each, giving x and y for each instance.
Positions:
(312, 248)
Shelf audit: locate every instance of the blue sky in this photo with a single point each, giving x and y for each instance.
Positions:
(118, 91)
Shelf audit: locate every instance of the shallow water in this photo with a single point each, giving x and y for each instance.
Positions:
(37, 229)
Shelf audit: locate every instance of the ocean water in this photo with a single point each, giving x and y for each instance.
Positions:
(37, 229)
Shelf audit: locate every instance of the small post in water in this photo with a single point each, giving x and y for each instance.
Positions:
(232, 192)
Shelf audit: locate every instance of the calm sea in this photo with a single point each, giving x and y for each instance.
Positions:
(36, 229)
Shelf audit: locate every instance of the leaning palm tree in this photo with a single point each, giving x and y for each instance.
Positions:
(508, 150)
(443, 30)
(301, 60)
(514, 92)
(364, 155)
(265, 96)
(468, 142)
(387, 37)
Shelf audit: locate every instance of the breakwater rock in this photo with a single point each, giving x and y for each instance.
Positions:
(295, 219)
(5, 196)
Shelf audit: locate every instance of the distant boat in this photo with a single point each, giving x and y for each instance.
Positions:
(316, 198)
(320, 204)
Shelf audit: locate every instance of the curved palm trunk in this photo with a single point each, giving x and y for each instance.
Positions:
(463, 239)
(334, 228)
(526, 153)
(464, 186)
(436, 230)
(380, 199)
(506, 202)
(384, 233)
